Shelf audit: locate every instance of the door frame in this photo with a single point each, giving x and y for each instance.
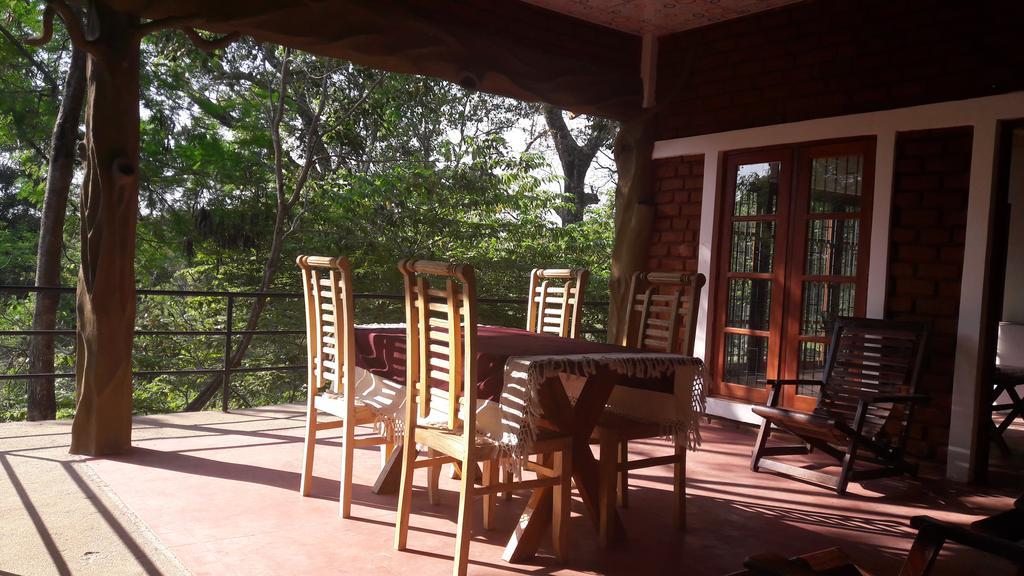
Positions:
(794, 191)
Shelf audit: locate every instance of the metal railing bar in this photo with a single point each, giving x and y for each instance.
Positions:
(157, 332)
(227, 333)
(42, 375)
(252, 294)
(215, 332)
(151, 373)
(37, 332)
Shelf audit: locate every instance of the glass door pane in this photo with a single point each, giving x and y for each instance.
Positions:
(757, 198)
(825, 260)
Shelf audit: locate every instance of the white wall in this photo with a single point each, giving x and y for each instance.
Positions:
(1013, 300)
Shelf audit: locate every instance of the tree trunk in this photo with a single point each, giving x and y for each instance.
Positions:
(109, 211)
(42, 402)
(576, 159)
(285, 203)
(259, 304)
(634, 216)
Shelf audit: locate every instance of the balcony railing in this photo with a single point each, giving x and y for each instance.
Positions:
(229, 333)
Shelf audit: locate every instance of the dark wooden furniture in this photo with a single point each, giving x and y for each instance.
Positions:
(866, 399)
(1000, 535)
(661, 318)
(441, 342)
(1007, 379)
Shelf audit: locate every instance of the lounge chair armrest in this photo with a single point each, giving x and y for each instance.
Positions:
(907, 398)
(793, 382)
(1008, 549)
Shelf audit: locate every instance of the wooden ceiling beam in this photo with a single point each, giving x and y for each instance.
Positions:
(504, 47)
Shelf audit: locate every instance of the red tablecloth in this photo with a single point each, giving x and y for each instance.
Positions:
(381, 351)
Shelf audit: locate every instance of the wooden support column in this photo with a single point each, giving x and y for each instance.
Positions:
(109, 211)
(634, 213)
(105, 307)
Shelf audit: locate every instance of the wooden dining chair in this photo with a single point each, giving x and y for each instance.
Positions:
(661, 318)
(555, 303)
(867, 395)
(330, 339)
(441, 340)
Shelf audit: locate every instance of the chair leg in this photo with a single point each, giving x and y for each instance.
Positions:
(762, 440)
(562, 502)
(623, 476)
(607, 478)
(923, 552)
(306, 483)
(465, 527)
(491, 468)
(848, 461)
(347, 453)
(506, 477)
(997, 437)
(405, 490)
(679, 483)
(433, 479)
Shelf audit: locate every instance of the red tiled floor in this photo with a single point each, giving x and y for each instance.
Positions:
(221, 493)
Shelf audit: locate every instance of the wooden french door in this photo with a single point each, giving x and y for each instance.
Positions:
(794, 235)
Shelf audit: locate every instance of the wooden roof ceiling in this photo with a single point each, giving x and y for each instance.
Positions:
(504, 47)
(658, 17)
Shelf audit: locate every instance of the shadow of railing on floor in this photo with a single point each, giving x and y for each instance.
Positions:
(122, 533)
(94, 499)
(59, 563)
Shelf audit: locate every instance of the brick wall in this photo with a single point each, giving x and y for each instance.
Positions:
(674, 239)
(832, 57)
(926, 254)
(927, 228)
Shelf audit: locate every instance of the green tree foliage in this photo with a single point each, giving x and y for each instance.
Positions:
(31, 81)
(396, 166)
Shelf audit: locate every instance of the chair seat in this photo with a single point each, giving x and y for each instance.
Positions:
(334, 404)
(449, 442)
(802, 423)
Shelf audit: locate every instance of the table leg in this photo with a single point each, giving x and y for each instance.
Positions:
(390, 476)
(580, 419)
(531, 528)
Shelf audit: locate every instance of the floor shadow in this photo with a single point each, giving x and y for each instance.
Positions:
(59, 564)
(122, 533)
(188, 464)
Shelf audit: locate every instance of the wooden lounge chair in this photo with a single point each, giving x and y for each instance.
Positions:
(866, 400)
(1000, 535)
(662, 318)
(556, 301)
(330, 337)
(441, 335)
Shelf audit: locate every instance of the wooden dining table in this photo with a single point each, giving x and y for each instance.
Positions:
(380, 350)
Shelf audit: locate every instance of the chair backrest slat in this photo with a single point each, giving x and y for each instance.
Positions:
(869, 357)
(662, 312)
(440, 301)
(330, 329)
(555, 301)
